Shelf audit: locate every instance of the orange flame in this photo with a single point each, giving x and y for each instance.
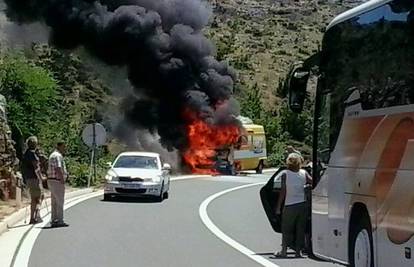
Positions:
(203, 140)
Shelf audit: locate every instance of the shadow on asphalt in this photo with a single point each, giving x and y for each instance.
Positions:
(288, 258)
(314, 258)
(131, 200)
(272, 253)
(52, 228)
(264, 254)
(290, 255)
(18, 226)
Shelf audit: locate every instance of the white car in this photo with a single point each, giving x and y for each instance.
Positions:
(138, 174)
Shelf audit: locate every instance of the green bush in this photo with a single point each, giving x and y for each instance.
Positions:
(276, 157)
(52, 95)
(299, 126)
(31, 93)
(80, 169)
(78, 173)
(282, 126)
(251, 103)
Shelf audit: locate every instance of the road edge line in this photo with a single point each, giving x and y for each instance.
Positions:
(221, 235)
(26, 244)
(33, 232)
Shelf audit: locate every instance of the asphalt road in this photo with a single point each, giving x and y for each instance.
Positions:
(171, 233)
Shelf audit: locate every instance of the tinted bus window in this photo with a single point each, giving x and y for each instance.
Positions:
(374, 54)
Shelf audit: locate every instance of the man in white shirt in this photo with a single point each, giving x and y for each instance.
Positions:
(57, 175)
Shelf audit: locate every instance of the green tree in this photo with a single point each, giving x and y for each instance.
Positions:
(298, 126)
(81, 94)
(281, 89)
(251, 103)
(31, 93)
(52, 94)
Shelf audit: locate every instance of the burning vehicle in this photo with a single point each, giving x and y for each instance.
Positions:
(225, 160)
(211, 147)
(233, 149)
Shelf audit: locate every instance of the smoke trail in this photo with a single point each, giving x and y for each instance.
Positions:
(116, 79)
(142, 140)
(13, 35)
(169, 62)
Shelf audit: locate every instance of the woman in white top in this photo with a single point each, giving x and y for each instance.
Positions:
(294, 180)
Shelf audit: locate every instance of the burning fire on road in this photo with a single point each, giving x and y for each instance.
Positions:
(203, 141)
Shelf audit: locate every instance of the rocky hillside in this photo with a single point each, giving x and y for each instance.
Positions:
(8, 160)
(261, 38)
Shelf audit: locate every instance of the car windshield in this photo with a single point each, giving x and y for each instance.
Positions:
(138, 162)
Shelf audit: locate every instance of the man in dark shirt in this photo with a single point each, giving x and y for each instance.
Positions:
(32, 177)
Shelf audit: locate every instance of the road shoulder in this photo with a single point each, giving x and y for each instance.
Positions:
(13, 228)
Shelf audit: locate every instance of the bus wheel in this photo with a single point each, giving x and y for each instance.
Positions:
(361, 249)
(259, 168)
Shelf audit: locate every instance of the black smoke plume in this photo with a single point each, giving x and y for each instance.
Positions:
(170, 62)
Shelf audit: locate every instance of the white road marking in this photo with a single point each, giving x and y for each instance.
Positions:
(220, 234)
(27, 244)
(23, 255)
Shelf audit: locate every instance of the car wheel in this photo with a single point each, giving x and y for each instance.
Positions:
(260, 167)
(166, 195)
(160, 198)
(107, 197)
(361, 249)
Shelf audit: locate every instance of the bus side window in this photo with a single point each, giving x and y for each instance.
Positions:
(324, 136)
(324, 129)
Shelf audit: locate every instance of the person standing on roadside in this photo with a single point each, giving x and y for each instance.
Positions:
(43, 164)
(294, 181)
(32, 177)
(57, 175)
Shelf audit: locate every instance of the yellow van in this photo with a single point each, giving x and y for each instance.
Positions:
(251, 154)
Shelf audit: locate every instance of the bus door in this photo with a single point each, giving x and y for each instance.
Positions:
(320, 197)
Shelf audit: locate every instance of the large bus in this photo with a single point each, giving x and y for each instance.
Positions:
(363, 148)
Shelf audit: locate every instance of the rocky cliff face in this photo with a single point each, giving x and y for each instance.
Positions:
(8, 159)
(262, 38)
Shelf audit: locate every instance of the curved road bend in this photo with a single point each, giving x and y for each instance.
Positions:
(138, 233)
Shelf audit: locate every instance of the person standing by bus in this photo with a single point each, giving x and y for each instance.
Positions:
(293, 181)
(290, 149)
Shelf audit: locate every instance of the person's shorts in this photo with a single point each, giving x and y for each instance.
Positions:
(34, 188)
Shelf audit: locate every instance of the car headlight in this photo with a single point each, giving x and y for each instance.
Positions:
(156, 179)
(111, 178)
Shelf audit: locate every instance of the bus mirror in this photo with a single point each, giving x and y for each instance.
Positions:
(297, 83)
